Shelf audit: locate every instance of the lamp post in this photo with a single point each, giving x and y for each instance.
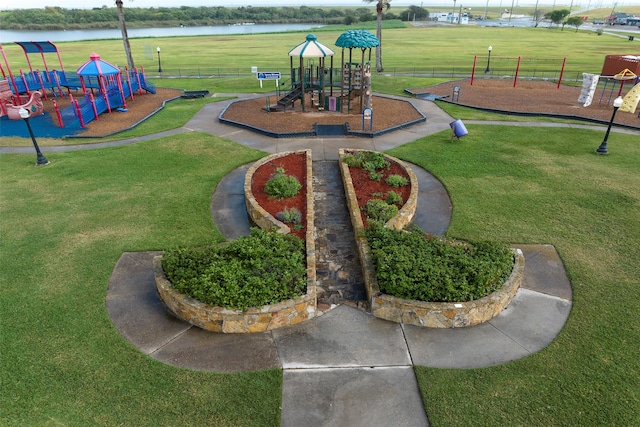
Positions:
(602, 149)
(24, 114)
(453, 12)
(159, 64)
(488, 69)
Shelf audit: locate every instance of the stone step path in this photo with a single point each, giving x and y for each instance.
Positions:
(338, 270)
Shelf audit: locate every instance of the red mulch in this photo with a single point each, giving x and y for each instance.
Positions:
(294, 165)
(367, 189)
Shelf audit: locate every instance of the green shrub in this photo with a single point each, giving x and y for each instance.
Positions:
(281, 185)
(290, 216)
(375, 176)
(394, 198)
(371, 161)
(262, 268)
(379, 210)
(396, 181)
(367, 160)
(413, 265)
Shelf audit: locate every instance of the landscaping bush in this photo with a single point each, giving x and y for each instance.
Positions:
(291, 216)
(379, 210)
(394, 198)
(414, 265)
(397, 181)
(282, 185)
(370, 161)
(262, 268)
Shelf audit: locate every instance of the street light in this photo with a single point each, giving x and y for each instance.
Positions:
(453, 12)
(488, 69)
(24, 114)
(602, 149)
(159, 65)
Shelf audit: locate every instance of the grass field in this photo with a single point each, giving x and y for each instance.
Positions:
(65, 225)
(422, 47)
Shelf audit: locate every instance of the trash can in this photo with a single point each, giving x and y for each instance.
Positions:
(458, 129)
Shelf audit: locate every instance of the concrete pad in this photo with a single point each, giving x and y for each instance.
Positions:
(228, 207)
(208, 351)
(473, 347)
(352, 397)
(544, 271)
(134, 306)
(433, 213)
(533, 319)
(342, 337)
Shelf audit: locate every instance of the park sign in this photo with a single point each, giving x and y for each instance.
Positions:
(268, 75)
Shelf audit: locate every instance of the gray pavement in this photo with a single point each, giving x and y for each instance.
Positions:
(345, 367)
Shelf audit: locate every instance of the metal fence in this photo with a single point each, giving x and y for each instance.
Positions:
(524, 73)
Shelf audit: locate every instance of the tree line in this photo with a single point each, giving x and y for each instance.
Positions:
(57, 18)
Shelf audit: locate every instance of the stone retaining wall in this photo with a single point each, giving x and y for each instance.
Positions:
(286, 313)
(419, 313)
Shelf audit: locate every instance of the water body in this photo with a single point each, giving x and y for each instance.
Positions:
(8, 36)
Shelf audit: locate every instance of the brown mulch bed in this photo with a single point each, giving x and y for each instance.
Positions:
(387, 113)
(533, 97)
(526, 97)
(140, 107)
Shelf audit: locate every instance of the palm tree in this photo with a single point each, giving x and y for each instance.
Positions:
(380, 6)
(125, 37)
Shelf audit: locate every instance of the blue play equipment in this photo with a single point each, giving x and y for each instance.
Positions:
(104, 88)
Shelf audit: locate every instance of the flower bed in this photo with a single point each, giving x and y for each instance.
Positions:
(429, 314)
(259, 319)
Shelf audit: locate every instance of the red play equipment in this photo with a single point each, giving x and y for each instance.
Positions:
(530, 65)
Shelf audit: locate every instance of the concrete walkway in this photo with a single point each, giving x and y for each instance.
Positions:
(345, 367)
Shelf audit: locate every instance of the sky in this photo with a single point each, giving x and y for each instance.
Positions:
(83, 4)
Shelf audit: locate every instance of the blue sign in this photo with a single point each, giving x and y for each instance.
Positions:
(268, 75)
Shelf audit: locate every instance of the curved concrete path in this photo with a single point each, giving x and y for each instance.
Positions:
(336, 365)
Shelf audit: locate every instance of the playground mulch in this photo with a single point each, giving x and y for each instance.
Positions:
(388, 113)
(533, 97)
(137, 109)
(499, 94)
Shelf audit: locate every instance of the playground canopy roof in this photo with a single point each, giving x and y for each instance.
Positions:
(38, 47)
(97, 67)
(311, 49)
(357, 38)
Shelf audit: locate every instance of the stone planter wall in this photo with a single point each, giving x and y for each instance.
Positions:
(447, 314)
(286, 313)
(406, 213)
(419, 313)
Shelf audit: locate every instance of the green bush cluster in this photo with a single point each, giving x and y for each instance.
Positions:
(414, 265)
(371, 161)
(394, 198)
(281, 185)
(397, 181)
(252, 271)
(379, 210)
(290, 216)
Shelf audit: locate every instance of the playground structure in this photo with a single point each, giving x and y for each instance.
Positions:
(104, 86)
(618, 68)
(329, 89)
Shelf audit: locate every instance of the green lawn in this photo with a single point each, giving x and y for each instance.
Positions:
(403, 48)
(65, 225)
(63, 228)
(538, 186)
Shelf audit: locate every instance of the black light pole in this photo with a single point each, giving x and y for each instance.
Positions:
(488, 69)
(602, 149)
(42, 160)
(159, 65)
